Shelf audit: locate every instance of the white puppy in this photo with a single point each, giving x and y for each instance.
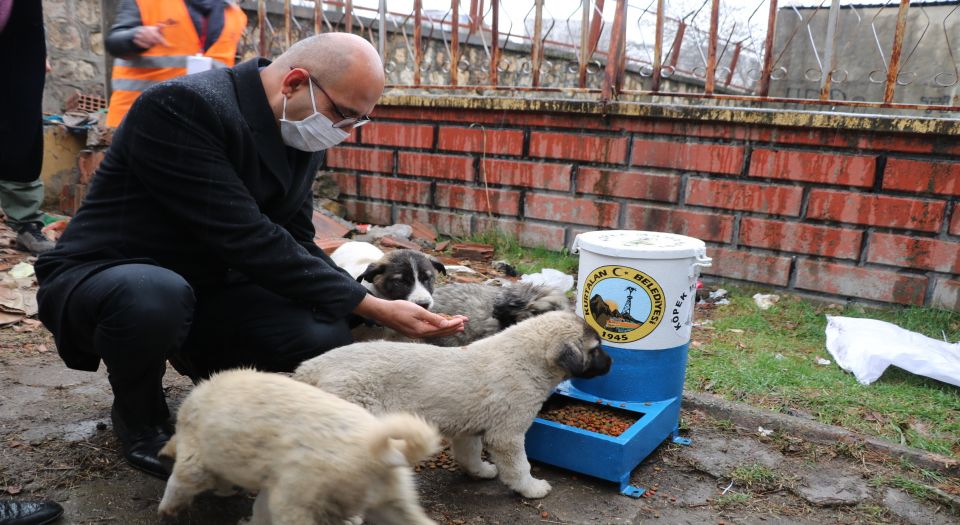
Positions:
(486, 393)
(315, 458)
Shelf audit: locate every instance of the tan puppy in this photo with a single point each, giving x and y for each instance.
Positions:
(486, 393)
(315, 458)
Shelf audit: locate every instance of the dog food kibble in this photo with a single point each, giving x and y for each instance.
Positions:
(599, 419)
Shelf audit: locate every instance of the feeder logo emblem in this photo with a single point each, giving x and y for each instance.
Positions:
(622, 304)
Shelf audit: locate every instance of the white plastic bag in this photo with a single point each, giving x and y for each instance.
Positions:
(866, 347)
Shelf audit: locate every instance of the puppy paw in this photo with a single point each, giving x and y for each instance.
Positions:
(535, 488)
(485, 470)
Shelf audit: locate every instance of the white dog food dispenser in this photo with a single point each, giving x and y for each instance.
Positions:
(637, 290)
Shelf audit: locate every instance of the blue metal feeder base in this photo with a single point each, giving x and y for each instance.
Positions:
(599, 455)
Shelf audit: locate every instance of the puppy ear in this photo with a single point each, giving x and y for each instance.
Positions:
(372, 271)
(437, 264)
(571, 359)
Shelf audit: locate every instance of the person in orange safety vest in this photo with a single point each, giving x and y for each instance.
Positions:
(154, 40)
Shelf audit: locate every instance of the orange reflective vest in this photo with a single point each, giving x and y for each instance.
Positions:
(132, 75)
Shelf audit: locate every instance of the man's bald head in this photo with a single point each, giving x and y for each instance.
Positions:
(347, 66)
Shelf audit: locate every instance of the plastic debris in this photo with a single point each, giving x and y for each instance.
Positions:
(824, 362)
(21, 270)
(718, 294)
(765, 301)
(779, 357)
(550, 277)
(458, 268)
(866, 347)
(765, 432)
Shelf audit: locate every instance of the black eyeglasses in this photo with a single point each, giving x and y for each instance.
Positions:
(347, 122)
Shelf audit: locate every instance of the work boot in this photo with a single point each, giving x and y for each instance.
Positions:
(32, 239)
(28, 512)
(141, 445)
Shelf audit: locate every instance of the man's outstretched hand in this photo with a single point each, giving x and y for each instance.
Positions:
(409, 319)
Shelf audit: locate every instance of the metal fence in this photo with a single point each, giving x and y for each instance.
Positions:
(872, 54)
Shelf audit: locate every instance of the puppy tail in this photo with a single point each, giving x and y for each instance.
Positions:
(170, 449)
(404, 440)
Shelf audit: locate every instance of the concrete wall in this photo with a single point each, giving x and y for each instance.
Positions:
(858, 55)
(75, 50)
(821, 206)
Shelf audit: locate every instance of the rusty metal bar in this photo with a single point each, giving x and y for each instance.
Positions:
(658, 49)
(805, 101)
(382, 31)
(733, 63)
(711, 73)
(348, 17)
(768, 50)
(677, 42)
(584, 55)
(476, 15)
(317, 16)
(495, 43)
(455, 43)
(417, 39)
(595, 26)
(613, 75)
(287, 30)
(826, 76)
(537, 50)
(893, 70)
(262, 27)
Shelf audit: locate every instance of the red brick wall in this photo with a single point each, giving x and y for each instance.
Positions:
(839, 212)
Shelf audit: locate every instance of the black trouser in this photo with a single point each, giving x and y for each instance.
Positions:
(136, 316)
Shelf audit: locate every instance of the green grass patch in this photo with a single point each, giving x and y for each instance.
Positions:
(755, 476)
(732, 499)
(770, 360)
(525, 260)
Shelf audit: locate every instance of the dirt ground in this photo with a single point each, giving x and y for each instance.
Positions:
(56, 442)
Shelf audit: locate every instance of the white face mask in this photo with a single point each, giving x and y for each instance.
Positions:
(314, 133)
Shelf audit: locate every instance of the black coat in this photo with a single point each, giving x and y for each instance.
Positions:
(198, 181)
(23, 48)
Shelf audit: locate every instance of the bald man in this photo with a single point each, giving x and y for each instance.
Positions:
(195, 240)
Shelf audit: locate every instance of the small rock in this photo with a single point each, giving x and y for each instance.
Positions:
(442, 246)
(765, 301)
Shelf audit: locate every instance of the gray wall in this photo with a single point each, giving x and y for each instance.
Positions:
(75, 50)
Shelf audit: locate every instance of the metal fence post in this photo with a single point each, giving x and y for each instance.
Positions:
(711, 73)
(893, 70)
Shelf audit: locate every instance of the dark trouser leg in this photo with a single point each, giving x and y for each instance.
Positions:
(133, 316)
(246, 325)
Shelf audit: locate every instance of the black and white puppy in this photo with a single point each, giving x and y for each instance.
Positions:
(400, 274)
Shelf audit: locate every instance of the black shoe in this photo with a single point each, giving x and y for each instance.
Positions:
(141, 448)
(30, 237)
(28, 512)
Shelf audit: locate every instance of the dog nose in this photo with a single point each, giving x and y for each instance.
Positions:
(424, 304)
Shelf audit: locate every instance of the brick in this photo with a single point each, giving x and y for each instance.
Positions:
(87, 163)
(804, 238)
(436, 166)
(748, 266)
(368, 212)
(629, 184)
(447, 223)
(810, 166)
(914, 252)
(732, 195)
(530, 174)
(331, 244)
(589, 148)
(503, 202)
(473, 251)
(876, 210)
(955, 221)
(530, 234)
(946, 294)
(391, 189)
(403, 135)
(423, 231)
(346, 182)
(701, 225)
(326, 227)
(568, 209)
(363, 159)
(866, 283)
(688, 156)
(922, 176)
(487, 141)
(393, 242)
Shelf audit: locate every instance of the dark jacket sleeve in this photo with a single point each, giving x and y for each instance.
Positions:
(119, 41)
(302, 229)
(178, 152)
